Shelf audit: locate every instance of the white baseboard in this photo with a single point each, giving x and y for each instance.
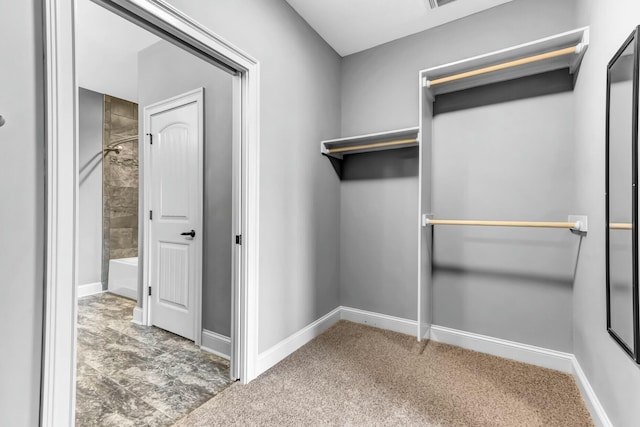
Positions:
(89, 289)
(546, 358)
(598, 413)
(533, 355)
(427, 333)
(137, 315)
(216, 344)
(275, 354)
(498, 347)
(382, 321)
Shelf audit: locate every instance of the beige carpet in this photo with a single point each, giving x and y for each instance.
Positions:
(359, 375)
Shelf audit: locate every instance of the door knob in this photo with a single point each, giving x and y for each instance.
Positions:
(191, 233)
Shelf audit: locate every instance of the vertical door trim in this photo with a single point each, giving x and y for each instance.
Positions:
(196, 96)
(57, 406)
(236, 225)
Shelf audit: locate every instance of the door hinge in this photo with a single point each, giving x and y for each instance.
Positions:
(150, 138)
(149, 290)
(150, 214)
(239, 239)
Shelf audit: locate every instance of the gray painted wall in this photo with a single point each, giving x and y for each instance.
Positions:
(485, 275)
(90, 106)
(505, 161)
(299, 191)
(166, 71)
(380, 85)
(378, 232)
(22, 212)
(614, 377)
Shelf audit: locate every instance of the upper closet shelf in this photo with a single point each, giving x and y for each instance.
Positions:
(564, 50)
(402, 138)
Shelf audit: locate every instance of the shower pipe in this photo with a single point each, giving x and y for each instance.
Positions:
(115, 147)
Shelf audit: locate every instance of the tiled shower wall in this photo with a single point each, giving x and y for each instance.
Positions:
(120, 182)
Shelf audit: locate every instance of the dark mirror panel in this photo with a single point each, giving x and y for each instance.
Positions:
(621, 209)
(620, 191)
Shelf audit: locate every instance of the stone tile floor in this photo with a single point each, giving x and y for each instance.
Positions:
(131, 375)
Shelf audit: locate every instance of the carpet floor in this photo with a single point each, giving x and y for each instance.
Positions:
(358, 375)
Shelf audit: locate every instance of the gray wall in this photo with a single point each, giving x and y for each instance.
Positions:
(614, 377)
(90, 183)
(378, 232)
(299, 191)
(480, 294)
(22, 212)
(166, 71)
(380, 85)
(508, 161)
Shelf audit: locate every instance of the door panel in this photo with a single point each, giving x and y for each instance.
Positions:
(176, 193)
(174, 164)
(173, 276)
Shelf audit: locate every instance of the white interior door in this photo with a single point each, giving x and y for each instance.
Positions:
(174, 130)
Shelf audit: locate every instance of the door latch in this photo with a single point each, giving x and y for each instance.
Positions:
(191, 233)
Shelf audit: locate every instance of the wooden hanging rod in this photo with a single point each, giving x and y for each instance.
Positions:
(505, 65)
(571, 225)
(620, 226)
(372, 145)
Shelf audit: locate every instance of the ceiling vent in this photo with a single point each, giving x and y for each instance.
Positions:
(439, 3)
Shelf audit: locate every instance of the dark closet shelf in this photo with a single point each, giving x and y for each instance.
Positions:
(336, 149)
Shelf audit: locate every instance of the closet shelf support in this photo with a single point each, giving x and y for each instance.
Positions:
(336, 149)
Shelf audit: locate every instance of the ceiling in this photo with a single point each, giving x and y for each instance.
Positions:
(351, 26)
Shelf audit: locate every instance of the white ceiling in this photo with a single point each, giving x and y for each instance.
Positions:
(107, 49)
(351, 26)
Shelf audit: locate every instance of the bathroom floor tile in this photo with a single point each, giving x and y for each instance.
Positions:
(101, 402)
(134, 375)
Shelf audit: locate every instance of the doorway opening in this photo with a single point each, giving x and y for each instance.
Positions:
(235, 336)
(151, 147)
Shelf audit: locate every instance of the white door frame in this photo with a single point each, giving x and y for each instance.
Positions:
(196, 95)
(58, 364)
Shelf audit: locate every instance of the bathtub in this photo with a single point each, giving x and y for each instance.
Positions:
(123, 277)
